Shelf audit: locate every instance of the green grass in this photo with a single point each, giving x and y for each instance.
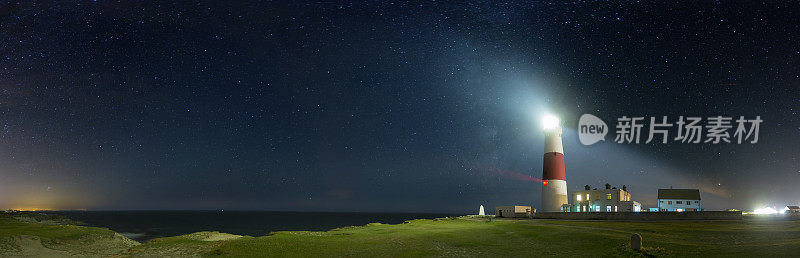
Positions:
(474, 237)
(58, 234)
(479, 237)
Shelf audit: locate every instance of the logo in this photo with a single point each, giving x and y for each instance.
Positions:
(591, 129)
(715, 130)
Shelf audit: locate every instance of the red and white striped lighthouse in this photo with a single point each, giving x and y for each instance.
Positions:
(554, 185)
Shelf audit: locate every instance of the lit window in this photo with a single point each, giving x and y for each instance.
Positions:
(587, 197)
(669, 202)
(578, 197)
(608, 196)
(615, 208)
(608, 208)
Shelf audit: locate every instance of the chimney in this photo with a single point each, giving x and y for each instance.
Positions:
(608, 186)
(624, 188)
(586, 187)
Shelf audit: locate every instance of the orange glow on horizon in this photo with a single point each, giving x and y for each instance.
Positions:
(31, 209)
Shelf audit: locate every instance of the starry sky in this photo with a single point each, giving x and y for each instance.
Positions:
(384, 106)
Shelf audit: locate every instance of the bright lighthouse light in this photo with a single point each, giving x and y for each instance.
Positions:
(550, 122)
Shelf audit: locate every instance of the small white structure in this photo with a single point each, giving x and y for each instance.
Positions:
(481, 212)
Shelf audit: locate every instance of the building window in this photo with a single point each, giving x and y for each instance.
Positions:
(578, 197)
(608, 208)
(615, 208)
(669, 202)
(587, 197)
(696, 201)
(661, 201)
(608, 196)
(678, 202)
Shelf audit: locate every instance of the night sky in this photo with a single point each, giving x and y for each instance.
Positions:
(373, 106)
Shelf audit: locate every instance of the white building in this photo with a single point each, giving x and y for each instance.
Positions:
(679, 200)
(515, 211)
(603, 200)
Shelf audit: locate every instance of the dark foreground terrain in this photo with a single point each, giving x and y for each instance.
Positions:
(43, 235)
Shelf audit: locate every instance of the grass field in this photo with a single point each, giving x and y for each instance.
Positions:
(449, 237)
(40, 235)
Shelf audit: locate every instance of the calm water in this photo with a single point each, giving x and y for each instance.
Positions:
(145, 225)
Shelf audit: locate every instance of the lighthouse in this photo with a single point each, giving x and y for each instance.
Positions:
(554, 177)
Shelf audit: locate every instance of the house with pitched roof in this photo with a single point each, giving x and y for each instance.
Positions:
(679, 200)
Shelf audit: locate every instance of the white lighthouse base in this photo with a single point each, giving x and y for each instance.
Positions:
(554, 194)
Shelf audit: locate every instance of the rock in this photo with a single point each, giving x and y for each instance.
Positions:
(636, 242)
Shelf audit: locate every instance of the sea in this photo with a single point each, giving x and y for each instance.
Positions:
(145, 225)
